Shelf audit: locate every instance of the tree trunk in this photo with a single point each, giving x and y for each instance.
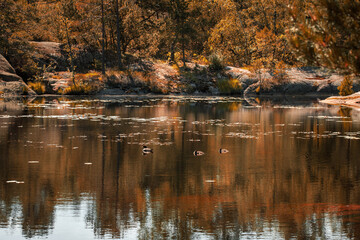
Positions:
(118, 35)
(247, 53)
(70, 51)
(172, 50)
(103, 38)
(275, 32)
(183, 50)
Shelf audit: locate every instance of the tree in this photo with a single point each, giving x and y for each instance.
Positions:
(16, 24)
(251, 29)
(346, 86)
(69, 16)
(103, 38)
(118, 34)
(327, 33)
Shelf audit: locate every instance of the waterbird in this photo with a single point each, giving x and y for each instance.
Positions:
(223, 150)
(198, 153)
(147, 150)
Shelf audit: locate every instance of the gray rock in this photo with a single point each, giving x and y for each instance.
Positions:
(10, 83)
(5, 66)
(327, 88)
(297, 88)
(9, 77)
(15, 88)
(214, 91)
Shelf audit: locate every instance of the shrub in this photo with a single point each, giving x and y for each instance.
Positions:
(346, 86)
(256, 68)
(216, 63)
(176, 67)
(230, 86)
(280, 75)
(38, 87)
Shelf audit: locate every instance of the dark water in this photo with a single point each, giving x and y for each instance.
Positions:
(74, 169)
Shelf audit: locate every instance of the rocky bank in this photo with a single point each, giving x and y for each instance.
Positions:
(10, 83)
(142, 76)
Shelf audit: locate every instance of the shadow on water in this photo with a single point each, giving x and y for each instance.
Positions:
(292, 170)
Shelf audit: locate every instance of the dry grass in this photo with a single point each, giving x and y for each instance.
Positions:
(38, 87)
(90, 76)
(142, 80)
(80, 89)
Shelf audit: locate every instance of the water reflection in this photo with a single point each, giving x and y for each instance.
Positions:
(76, 169)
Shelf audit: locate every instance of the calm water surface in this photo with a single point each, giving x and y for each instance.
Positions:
(74, 169)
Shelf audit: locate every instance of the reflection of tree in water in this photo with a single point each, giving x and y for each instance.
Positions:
(345, 112)
(269, 183)
(38, 210)
(35, 199)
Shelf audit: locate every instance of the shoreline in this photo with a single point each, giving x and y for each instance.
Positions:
(352, 101)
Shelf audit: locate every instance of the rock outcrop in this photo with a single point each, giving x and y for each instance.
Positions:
(348, 101)
(10, 83)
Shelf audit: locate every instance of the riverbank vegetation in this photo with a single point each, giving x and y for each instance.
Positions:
(112, 35)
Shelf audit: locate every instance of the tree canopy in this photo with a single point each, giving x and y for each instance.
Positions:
(242, 32)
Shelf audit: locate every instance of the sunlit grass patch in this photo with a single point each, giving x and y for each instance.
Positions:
(80, 89)
(38, 87)
(176, 67)
(90, 76)
(130, 81)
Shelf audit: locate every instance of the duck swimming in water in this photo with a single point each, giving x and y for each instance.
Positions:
(146, 150)
(198, 153)
(223, 150)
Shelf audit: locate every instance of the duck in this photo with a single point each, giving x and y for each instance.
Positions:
(147, 150)
(223, 150)
(198, 153)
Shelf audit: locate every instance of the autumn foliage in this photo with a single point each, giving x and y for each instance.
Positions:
(243, 32)
(346, 86)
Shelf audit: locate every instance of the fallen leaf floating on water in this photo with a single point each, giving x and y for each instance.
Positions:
(209, 181)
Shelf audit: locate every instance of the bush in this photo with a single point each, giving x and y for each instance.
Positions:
(279, 74)
(216, 63)
(346, 86)
(38, 87)
(230, 86)
(256, 68)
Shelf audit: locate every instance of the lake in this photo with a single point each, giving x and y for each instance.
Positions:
(74, 169)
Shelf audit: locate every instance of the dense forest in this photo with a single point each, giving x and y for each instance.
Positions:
(262, 33)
